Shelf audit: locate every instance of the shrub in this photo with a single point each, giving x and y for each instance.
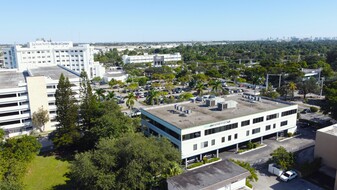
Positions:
(204, 159)
(250, 145)
(290, 134)
(213, 160)
(248, 184)
(313, 109)
(194, 165)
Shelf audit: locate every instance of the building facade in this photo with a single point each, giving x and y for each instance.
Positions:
(23, 92)
(201, 128)
(154, 58)
(325, 139)
(48, 53)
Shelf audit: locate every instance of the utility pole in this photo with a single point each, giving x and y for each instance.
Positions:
(322, 80)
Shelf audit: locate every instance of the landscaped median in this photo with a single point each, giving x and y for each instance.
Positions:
(205, 161)
(250, 147)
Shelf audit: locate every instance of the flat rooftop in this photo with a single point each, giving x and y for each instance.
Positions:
(332, 130)
(11, 79)
(208, 177)
(53, 72)
(201, 114)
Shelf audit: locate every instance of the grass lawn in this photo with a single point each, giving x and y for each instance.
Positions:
(45, 172)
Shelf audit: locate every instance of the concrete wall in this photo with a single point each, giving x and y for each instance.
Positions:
(37, 93)
(326, 148)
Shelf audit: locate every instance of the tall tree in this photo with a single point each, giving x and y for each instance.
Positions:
(330, 105)
(130, 100)
(100, 94)
(67, 132)
(308, 86)
(89, 103)
(130, 162)
(199, 88)
(152, 96)
(40, 118)
(292, 87)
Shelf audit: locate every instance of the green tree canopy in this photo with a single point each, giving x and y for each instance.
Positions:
(130, 162)
(40, 118)
(283, 158)
(67, 131)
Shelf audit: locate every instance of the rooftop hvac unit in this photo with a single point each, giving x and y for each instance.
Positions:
(188, 111)
(222, 106)
(178, 108)
(175, 106)
(182, 108)
(210, 103)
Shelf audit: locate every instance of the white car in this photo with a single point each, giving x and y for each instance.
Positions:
(288, 175)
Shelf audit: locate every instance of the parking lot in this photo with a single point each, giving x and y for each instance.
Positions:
(267, 181)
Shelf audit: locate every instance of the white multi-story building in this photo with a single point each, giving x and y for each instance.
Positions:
(48, 53)
(23, 92)
(197, 129)
(146, 58)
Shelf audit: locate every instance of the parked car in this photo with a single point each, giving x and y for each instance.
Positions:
(288, 175)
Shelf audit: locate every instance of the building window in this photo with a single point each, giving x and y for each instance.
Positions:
(195, 147)
(245, 123)
(274, 125)
(258, 120)
(229, 137)
(268, 127)
(283, 123)
(204, 144)
(236, 136)
(290, 112)
(223, 139)
(191, 136)
(254, 131)
(220, 129)
(272, 116)
(213, 142)
(247, 133)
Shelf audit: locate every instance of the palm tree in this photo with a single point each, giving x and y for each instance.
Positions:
(130, 100)
(199, 88)
(152, 96)
(100, 93)
(292, 87)
(110, 95)
(217, 87)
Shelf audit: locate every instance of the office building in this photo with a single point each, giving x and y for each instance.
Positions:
(326, 138)
(49, 53)
(156, 59)
(206, 127)
(23, 92)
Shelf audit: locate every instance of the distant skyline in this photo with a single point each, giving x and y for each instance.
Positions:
(174, 20)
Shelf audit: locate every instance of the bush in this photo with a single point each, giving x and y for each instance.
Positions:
(195, 165)
(250, 145)
(248, 184)
(204, 159)
(313, 109)
(212, 160)
(290, 134)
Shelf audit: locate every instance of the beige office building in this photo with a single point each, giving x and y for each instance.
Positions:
(23, 93)
(326, 141)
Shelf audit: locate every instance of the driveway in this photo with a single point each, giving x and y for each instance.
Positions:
(262, 155)
(272, 182)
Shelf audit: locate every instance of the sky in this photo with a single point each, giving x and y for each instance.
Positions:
(169, 20)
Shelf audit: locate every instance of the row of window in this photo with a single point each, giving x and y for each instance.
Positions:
(73, 60)
(68, 56)
(290, 112)
(162, 127)
(220, 129)
(223, 139)
(62, 51)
